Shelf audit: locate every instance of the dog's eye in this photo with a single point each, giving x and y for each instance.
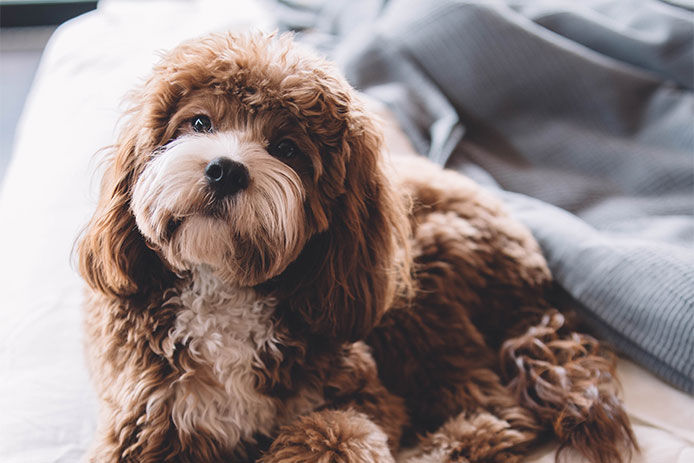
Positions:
(201, 124)
(284, 149)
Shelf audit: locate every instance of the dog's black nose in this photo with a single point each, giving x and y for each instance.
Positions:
(226, 177)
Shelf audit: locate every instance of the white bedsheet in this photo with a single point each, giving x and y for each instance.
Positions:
(47, 407)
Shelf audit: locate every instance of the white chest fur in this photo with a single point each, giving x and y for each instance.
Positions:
(224, 329)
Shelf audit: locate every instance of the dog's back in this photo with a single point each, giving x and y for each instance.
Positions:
(479, 349)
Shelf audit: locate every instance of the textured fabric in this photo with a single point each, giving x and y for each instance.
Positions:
(580, 114)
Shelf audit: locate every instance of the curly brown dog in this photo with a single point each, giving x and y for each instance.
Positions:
(263, 285)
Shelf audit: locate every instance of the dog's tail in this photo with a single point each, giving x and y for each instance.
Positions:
(568, 380)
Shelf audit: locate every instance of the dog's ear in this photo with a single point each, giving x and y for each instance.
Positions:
(352, 270)
(112, 254)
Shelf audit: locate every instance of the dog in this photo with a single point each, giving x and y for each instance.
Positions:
(264, 285)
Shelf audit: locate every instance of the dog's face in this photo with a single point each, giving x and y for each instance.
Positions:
(229, 188)
(252, 156)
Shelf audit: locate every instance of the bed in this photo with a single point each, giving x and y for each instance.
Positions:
(47, 407)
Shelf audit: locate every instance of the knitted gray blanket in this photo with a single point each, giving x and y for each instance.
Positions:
(580, 114)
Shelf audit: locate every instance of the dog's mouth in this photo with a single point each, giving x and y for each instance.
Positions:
(172, 227)
(213, 209)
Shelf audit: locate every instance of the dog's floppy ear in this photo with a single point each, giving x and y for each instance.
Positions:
(352, 270)
(113, 256)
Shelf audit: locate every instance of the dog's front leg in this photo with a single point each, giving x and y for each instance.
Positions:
(339, 436)
(361, 421)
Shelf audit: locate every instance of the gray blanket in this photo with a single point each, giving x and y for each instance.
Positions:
(580, 114)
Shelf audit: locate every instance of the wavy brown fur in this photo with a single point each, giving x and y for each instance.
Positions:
(568, 380)
(406, 308)
(481, 283)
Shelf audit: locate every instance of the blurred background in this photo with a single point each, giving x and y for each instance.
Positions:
(25, 27)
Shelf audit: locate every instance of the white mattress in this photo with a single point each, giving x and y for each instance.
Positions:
(47, 407)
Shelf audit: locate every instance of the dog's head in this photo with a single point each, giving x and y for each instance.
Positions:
(252, 156)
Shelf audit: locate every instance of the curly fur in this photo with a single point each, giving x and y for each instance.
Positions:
(338, 308)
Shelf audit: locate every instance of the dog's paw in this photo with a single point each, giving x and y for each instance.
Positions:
(477, 437)
(331, 436)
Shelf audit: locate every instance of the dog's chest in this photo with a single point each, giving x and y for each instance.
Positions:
(224, 330)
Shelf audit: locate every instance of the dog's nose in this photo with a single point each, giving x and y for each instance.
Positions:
(226, 177)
